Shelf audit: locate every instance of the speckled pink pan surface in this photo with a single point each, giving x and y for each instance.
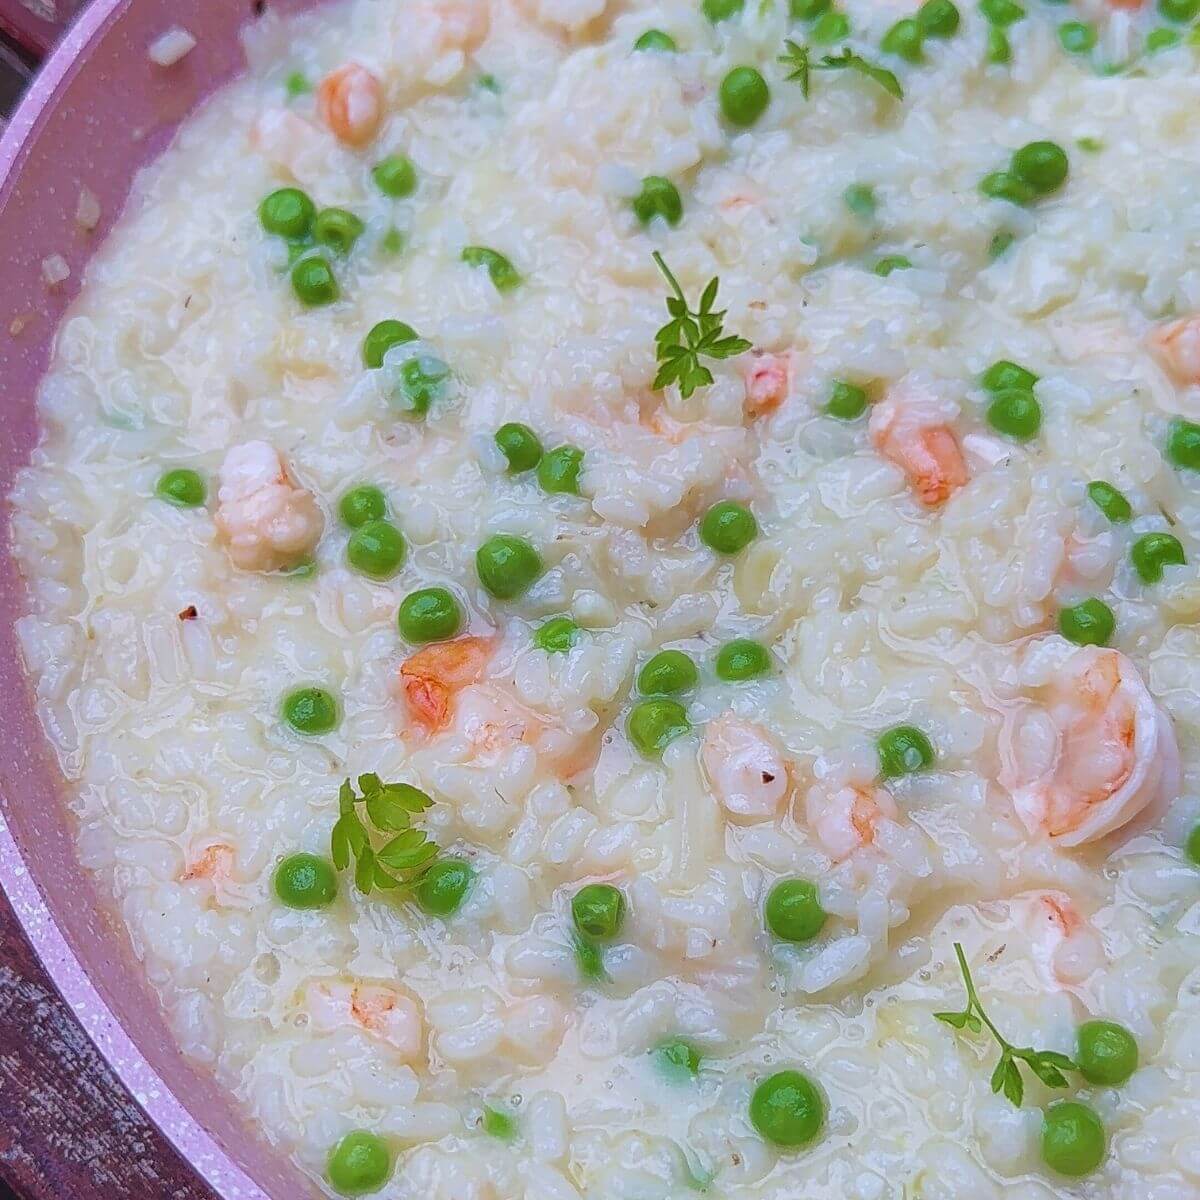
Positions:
(97, 112)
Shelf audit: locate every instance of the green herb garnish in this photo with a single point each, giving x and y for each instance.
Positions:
(499, 1124)
(689, 336)
(401, 861)
(855, 62)
(1047, 1065)
(797, 59)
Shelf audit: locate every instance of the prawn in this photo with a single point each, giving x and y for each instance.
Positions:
(350, 101)
(844, 818)
(746, 771)
(1065, 946)
(1176, 345)
(265, 518)
(911, 428)
(432, 677)
(215, 869)
(768, 383)
(1098, 754)
(384, 1012)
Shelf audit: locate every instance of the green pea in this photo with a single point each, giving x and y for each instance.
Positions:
(1003, 375)
(793, 910)
(1042, 165)
(1192, 846)
(744, 96)
(359, 1164)
(1183, 444)
(904, 39)
(659, 197)
(598, 910)
(742, 659)
(362, 504)
(728, 527)
(423, 379)
(904, 750)
(1015, 413)
(1001, 240)
(337, 229)
(507, 566)
(314, 282)
(1184, 12)
(558, 472)
(287, 212)
(498, 1124)
(305, 881)
(296, 84)
(392, 242)
(1073, 1139)
(382, 337)
(656, 40)
(654, 724)
(1110, 501)
(860, 200)
(557, 635)
(1092, 145)
(395, 176)
(721, 10)
(1161, 39)
(889, 263)
(1076, 37)
(828, 28)
(1154, 551)
(181, 487)
(444, 886)
(1001, 12)
(1004, 185)
(999, 51)
(503, 274)
(310, 710)
(668, 673)
(377, 549)
(429, 615)
(677, 1059)
(1107, 1054)
(938, 18)
(520, 445)
(787, 1109)
(847, 401)
(808, 10)
(1089, 623)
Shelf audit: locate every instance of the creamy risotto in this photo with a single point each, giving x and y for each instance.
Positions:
(615, 585)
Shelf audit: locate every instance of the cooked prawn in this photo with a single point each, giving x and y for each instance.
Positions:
(215, 868)
(264, 517)
(746, 771)
(432, 677)
(768, 383)
(844, 818)
(911, 427)
(388, 1014)
(350, 101)
(1065, 946)
(1176, 345)
(1099, 752)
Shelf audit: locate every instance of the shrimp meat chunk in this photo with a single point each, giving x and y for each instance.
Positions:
(746, 771)
(911, 428)
(390, 1015)
(350, 101)
(1065, 946)
(214, 868)
(768, 382)
(432, 677)
(1176, 345)
(844, 818)
(1100, 752)
(265, 518)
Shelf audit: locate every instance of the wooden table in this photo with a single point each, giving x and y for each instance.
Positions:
(68, 1129)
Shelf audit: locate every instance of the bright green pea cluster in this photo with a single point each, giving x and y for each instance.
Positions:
(744, 96)
(310, 711)
(290, 213)
(429, 615)
(1014, 410)
(1036, 170)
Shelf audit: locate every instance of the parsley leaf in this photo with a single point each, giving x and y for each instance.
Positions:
(389, 807)
(689, 336)
(856, 62)
(1047, 1065)
(797, 58)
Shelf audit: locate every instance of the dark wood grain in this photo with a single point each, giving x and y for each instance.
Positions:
(68, 1129)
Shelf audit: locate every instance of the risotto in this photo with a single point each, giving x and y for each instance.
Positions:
(615, 588)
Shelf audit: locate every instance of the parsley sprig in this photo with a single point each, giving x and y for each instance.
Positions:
(797, 58)
(389, 808)
(1047, 1065)
(689, 336)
